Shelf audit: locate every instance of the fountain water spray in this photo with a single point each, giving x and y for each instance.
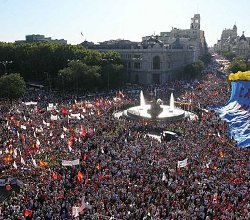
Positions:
(171, 104)
(142, 100)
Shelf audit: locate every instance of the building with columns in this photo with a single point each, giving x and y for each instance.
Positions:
(158, 58)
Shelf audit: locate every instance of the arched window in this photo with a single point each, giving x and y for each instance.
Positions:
(156, 63)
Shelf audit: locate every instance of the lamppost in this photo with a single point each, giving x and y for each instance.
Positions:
(77, 76)
(62, 79)
(48, 80)
(106, 60)
(5, 64)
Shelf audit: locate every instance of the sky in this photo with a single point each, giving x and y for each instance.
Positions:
(101, 20)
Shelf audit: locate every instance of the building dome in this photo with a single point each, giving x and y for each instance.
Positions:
(242, 37)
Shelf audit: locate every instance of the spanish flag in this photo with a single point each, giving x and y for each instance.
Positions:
(80, 176)
(98, 166)
(221, 153)
(43, 164)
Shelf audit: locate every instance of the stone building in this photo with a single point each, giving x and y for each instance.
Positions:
(158, 59)
(230, 41)
(39, 37)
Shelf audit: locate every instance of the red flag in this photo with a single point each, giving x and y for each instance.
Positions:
(27, 213)
(71, 141)
(54, 176)
(80, 176)
(84, 156)
(65, 111)
(83, 133)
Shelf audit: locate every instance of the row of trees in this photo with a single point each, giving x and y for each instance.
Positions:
(12, 86)
(239, 64)
(194, 69)
(227, 54)
(64, 66)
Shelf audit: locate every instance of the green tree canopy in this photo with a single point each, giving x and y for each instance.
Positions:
(79, 75)
(12, 86)
(194, 69)
(238, 64)
(47, 62)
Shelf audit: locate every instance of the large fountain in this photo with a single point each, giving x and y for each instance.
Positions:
(155, 110)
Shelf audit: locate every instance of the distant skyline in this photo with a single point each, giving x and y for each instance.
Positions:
(101, 20)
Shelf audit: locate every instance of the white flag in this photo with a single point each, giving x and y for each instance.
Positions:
(164, 176)
(34, 162)
(22, 161)
(70, 148)
(182, 163)
(65, 129)
(62, 136)
(75, 211)
(53, 117)
(15, 153)
(23, 127)
(14, 164)
(37, 143)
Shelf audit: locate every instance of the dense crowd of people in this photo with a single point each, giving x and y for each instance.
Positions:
(116, 171)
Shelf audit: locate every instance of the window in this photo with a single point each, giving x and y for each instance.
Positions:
(156, 63)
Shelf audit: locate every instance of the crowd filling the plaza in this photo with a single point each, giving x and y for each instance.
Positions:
(71, 159)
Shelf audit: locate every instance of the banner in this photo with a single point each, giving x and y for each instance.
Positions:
(76, 116)
(53, 117)
(50, 107)
(182, 163)
(30, 103)
(70, 162)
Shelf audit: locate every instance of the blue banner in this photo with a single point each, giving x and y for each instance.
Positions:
(237, 112)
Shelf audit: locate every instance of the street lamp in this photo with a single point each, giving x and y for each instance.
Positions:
(5, 64)
(62, 80)
(76, 77)
(106, 60)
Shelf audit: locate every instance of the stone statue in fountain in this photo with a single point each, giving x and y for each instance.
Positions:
(155, 109)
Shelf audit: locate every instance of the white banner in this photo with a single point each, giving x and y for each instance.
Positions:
(53, 117)
(70, 162)
(182, 163)
(30, 103)
(76, 116)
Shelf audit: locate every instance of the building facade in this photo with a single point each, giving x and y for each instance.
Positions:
(230, 41)
(38, 38)
(158, 59)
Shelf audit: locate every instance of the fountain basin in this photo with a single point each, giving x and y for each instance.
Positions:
(141, 112)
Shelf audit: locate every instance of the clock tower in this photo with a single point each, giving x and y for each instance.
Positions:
(195, 22)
